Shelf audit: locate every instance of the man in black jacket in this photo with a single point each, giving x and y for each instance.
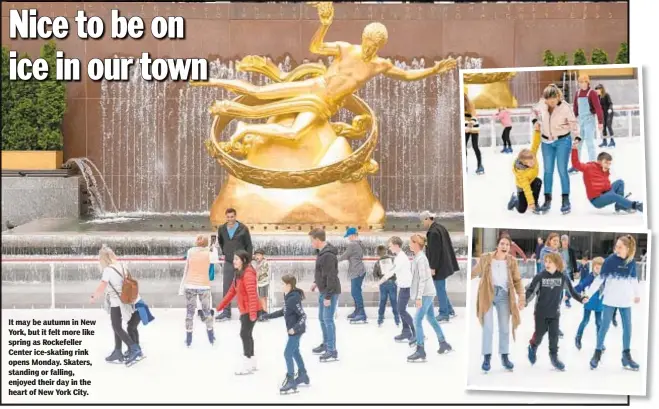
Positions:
(326, 279)
(443, 262)
(231, 236)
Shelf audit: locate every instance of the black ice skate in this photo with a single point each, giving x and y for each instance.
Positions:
(577, 342)
(223, 316)
(319, 350)
(418, 356)
(134, 355)
(404, 338)
(329, 356)
(302, 379)
(628, 362)
(555, 362)
(188, 338)
(595, 360)
(486, 366)
(444, 348)
(480, 170)
(211, 336)
(506, 362)
(115, 357)
(566, 207)
(512, 203)
(359, 318)
(546, 206)
(532, 354)
(288, 386)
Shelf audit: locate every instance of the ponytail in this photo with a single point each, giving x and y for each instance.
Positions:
(629, 242)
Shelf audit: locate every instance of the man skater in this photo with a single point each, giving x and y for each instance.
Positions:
(231, 236)
(443, 262)
(354, 255)
(326, 280)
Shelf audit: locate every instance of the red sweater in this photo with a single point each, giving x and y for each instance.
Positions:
(594, 177)
(594, 101)
(248, 297)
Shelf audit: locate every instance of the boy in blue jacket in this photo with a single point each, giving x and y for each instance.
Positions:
(594, 304)
(296, 325)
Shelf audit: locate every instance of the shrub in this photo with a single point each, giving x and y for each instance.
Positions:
(599, 56)
(580, 57)
(548, 58)
(562, 60)
(623, 54)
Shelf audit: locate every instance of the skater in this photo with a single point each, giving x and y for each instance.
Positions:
(550, 247)
(354, 255)
(500, 281)
(588, 111)
(599, 189)
(621, 288)
(403, 271)
(525, 169)
(296, 319)
(549, 285)
(112, 282)
(503, 115)
(196, 285)
(540, 243)
(472, 130)
(423, 292)
(593, 305)
(383, 272)
(231, 236)
(443, 263)
(326, 280)
(244, 286)
(570, 262)
(558, 125)
(607, 109)
(262, 268)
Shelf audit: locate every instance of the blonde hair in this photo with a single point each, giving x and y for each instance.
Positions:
(630, 243)
(556, 259)
(418, 239)
(585, 78)
(598, 261)
(376, 32)
(201, 240)
(552, 91)
(525, 154)
(106, 256)
(551, 237)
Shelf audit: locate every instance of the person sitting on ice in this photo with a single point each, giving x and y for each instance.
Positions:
(599, 189)
(525, 170)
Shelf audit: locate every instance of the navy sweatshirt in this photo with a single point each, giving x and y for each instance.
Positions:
(549, 289)
(292, 312)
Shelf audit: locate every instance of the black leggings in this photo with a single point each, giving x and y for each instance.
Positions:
(506, 137)
(522, 204)
(246, 329)
(608, 124)
(474, 144)
(129, 337)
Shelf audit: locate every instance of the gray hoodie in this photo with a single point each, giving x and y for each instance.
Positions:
(354, 254)
(422, 283)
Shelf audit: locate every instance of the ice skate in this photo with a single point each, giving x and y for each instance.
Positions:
(444, 348)
(595, 360)
(245, 367)
(139, 358)
(211, 336)
(319, 350)
(359, 318)
(418, 356)
(288, 386)
(116, 357)
(572, 171)
(505, 361)
(512, 203)
(566, 207)
(567, 303)
(612, 143)
(603, 144)
(329, 356)
(443, 319)
(302, 379)
(533, 354)
(252, 363)
(486, 366)
(628, 362)
(188, 338)
(352, 314)
(504, 150)
(560, 334)
(452, 314)
(223, 316)
(577, 342)
(480, 170)
(134, 355)
(403, 338)
(546, 206)
(556, 363)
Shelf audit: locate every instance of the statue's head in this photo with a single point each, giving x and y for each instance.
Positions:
(373, 38)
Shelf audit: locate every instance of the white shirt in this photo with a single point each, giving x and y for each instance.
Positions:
(500, 273)
(403, 270)
(115, 280)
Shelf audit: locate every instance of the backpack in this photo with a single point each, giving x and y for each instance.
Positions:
(129, 287)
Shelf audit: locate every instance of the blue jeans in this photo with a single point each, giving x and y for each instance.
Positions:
(445, 307)
(501, 303)
(426, 311)
(625, 317)
(326, 318)
(403, 299)
(557, 154)
(586, 319)
(388, 291)
(615, 195)
(356, 291)
(292, 353)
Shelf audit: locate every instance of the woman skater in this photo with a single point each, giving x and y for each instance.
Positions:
(525, 169)
(588, 111)
(500, 280)
(244, 285)
(607, 108)
(503, 115)
(621, 289)
(472, 131)
(558, 125)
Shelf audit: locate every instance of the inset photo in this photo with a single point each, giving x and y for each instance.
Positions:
(557, 311)
(557, 144)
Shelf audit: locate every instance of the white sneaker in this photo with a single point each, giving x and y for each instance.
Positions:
(245, 367)
(252, 362)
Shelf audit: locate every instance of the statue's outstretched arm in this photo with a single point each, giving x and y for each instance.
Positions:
(318, 44)
(413, 75)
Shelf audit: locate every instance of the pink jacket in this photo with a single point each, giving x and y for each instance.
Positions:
(504, 117)
(560, 122)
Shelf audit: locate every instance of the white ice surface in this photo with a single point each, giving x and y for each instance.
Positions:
(372, 368)
(608, 378)
(487, 195)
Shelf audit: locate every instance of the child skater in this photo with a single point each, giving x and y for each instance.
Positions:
(383, 271)
(549, 286)
(593, 305)
(295, 325)
(472, 131)
(599, 189)
(503, 115)
(263, 281)
(618, 275)
(525, 169)
(588, 110)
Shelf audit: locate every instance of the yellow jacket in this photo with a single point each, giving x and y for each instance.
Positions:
(524, 177)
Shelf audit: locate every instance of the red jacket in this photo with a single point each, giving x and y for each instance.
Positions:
(248, 297)
(594, 177)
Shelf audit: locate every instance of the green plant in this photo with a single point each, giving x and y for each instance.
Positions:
(19, 128)
(548, 58)
(6, 92)
(562, 60)
(622, 57)
(580, 57)
(599, 57)
(51, 104)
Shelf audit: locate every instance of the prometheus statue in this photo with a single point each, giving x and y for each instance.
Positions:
(299, 162)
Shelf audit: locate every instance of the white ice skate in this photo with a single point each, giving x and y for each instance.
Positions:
(252, 362)
(245, 367)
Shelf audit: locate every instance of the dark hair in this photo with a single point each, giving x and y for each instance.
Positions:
(259, 251)
(505, 236)
(395, 240)
(381, 250)
(246, 258)
(292, 281)
(318, 234)
(604, 156)
(230, 210)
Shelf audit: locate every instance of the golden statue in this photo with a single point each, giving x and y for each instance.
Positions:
(490, 90)
(298, 167)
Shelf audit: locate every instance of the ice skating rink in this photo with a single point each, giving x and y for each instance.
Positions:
(487, 195)
(372, 368)
(609, 377)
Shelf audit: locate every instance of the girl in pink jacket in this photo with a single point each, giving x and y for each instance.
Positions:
(503, 116)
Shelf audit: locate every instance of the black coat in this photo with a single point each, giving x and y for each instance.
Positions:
(292, 312)
(326, 274)
(573, 261)
(241, 241)
(440, 252)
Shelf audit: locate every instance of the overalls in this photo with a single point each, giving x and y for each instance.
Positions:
(587, 125)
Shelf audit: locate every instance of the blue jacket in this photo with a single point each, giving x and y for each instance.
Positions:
(292, 312)
(144, 312)
(595, 302)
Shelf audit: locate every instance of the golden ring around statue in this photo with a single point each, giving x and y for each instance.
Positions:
(351, 169)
